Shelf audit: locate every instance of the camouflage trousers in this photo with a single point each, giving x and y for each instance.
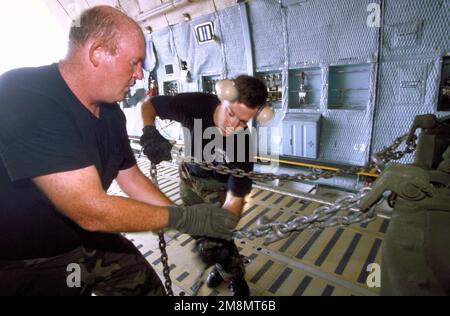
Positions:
(213, 251)
(117, 269)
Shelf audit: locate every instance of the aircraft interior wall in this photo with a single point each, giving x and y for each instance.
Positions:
(358, 100)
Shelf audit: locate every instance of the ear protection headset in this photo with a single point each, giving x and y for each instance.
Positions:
(226, 91)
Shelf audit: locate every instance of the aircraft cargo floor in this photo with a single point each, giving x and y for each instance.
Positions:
(319, 263)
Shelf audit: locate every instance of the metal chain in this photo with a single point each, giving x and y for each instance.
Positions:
(379, 160)
(162, 241)
(323, 216)
(390, 153)
(165, 262)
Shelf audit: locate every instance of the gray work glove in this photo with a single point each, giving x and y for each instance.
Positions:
(202, 220)
(156, 147)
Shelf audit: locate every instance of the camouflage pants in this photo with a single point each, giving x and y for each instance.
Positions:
(213, 251)
(118, 269)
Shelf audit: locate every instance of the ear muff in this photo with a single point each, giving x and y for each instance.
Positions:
(226, 91)
(265, 114)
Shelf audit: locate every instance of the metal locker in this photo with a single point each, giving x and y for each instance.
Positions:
(300, 135)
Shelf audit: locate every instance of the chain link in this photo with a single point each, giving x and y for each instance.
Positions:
(323, 216)
(165, 262)
(162, 241)
(379, 160)
(390, 153)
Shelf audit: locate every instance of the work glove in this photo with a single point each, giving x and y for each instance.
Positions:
(156, 147)
(202, 220)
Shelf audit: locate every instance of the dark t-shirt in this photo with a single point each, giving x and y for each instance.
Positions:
(232, 151)
(44, 129)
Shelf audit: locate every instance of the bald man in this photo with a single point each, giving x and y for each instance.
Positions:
(63, 141)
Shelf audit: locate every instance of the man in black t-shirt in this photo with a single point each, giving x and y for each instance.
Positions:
(62, 142)
(215, 131)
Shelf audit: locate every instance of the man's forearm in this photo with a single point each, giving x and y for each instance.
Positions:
(148, 113)
(78, 194)
(119, 214)
(138, 187)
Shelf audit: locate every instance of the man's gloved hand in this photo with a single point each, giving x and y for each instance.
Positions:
(202, 220)
(156, 147)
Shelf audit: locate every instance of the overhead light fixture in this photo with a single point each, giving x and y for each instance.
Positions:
(187, 17)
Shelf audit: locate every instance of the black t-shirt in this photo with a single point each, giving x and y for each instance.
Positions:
(44, 129)
(186, 108)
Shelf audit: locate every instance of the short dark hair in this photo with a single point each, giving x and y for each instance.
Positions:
(101, 22)
(252, 91)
